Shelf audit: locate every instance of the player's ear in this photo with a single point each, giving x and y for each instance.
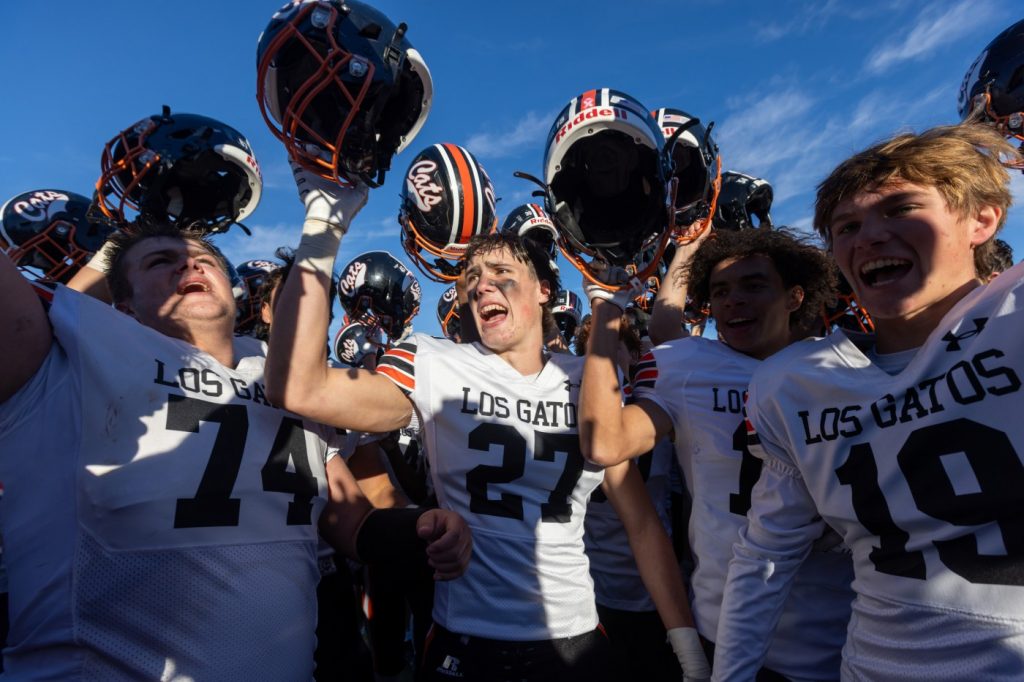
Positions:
(984, 223)
(794, 298)
(266, 315)
(545, 291)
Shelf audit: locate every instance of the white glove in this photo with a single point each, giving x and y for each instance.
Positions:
(329, 212)
(631, 286)
(326, 201)
(100, 261)
(686, 645)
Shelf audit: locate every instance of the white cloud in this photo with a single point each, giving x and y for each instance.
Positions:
(276, 175)
(812, 16)
(526, 134)
(761, 135)
(932, 29)
(793, 139)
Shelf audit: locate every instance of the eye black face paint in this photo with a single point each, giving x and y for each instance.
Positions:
(507, 285)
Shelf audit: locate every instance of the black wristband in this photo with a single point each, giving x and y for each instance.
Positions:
(390, 535)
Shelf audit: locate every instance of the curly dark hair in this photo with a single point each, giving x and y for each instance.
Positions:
(1001, 258)
(796, 258)
(143, 228)
(523, 250)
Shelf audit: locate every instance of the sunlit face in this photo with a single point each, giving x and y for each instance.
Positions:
(903, 249)
(506, 299)
(177, 283)
(751, 305)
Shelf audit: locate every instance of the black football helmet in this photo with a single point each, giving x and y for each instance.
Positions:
(696, 167)
(355, 341)
(532, 222)
(743, 198)
(183, 168)
(993, 87)
(377, 290)
(342, 87)
(48, 233)
(252, 274)
(646, 297)
(447, 199)
(448, 314)
(568, 313)
(846, 312)
(607, 171)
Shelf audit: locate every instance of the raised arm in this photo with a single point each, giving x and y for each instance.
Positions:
(657, 564)
(668, 314)
(610, 432)
(25, 333)
(91, 279)
(298, 377)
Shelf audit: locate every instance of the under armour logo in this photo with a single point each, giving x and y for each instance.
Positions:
(569, 385)
(953, 340)
(450, 667)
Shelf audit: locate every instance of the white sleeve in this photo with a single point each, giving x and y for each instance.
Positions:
(782, 524)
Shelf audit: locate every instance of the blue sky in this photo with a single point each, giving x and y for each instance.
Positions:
(793, 87)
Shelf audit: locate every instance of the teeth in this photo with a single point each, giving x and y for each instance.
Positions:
(194, 286)
(880, 263)
(492, 308)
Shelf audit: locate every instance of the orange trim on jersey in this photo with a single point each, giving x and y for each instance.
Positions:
(403, 380)
(468, 192)
(402, 354)
(645, 374)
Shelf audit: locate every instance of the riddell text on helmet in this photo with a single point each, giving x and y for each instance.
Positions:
(589, 114)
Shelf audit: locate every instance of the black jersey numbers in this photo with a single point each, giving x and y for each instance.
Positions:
(997, 498)
(213, 504)
(750, 471)
(513, 465)
(290, 445)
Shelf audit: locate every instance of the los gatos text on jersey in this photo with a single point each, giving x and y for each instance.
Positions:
(966, 382)
(207, 382)
(551, 413)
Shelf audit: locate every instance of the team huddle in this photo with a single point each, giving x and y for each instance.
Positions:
(763, 455)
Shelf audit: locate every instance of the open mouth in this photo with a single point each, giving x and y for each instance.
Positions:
(192, 288)
(740, 322)
(884, 270)
(492, 312)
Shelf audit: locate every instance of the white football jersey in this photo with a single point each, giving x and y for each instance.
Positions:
(701, 384)
(922, 473)
(504, 453)
(160, 515)
(617, 582)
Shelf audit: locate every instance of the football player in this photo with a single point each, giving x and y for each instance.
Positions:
(909, 442)
(178, 506)
(500, 428)
(639, 646)
(762, 286)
